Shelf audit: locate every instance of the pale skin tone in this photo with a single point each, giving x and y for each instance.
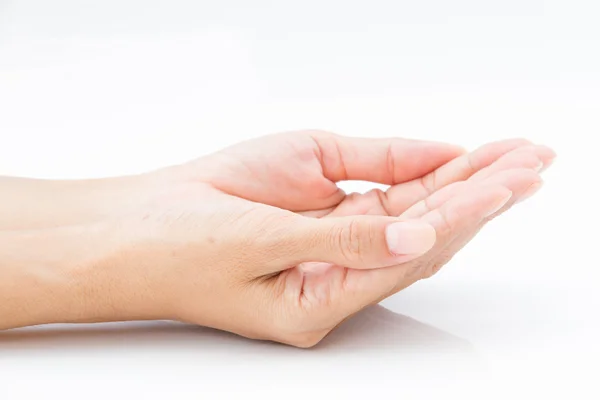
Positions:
(256, 239)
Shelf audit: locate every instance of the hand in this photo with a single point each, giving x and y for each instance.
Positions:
(238, 247)
(298, 172)
(258, 239)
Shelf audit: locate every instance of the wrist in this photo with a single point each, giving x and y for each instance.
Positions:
(73, 274)
(30, 204)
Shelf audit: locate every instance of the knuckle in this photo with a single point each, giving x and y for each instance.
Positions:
(428, 183)
(470, 165)
(380, 198)
(446, 222)
(354, 240)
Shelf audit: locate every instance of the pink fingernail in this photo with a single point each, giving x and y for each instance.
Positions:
(539, 166)
(409, 237)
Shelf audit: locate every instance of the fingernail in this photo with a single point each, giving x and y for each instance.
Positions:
(539, 166)
(501, 203)
(546, 155)
(533, 189)
(409, 237)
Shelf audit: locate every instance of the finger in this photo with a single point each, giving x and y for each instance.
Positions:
(462, 210)
(438, 256)
(388, 161)
(519, 182)
(398, 198)
(364, 287)
(512, 179)
(503, 172)
(521, 191)
(359, 241)
(531, 157)
(373, 202)
(402, 196)
(377, 202)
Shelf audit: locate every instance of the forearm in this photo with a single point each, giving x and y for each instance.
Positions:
(71, 274)
(35, 204)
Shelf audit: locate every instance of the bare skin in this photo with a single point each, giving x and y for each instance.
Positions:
(256, 239)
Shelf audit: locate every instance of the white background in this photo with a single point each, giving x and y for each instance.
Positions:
(99, 88)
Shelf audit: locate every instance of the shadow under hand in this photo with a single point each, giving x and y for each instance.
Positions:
(373, 329)
(404, 350)
(377, 327)
(376, 344)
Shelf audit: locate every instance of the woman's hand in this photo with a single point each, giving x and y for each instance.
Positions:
(258, 240)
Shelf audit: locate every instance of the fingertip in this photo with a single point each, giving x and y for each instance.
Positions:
(459, 151)
(546, 156)
(454, 149)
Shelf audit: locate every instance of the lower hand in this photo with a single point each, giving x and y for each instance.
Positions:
(258, 240)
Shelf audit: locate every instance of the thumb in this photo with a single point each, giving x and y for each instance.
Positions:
(363, 241)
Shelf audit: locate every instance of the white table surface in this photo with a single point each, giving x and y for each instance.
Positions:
(90, 89)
